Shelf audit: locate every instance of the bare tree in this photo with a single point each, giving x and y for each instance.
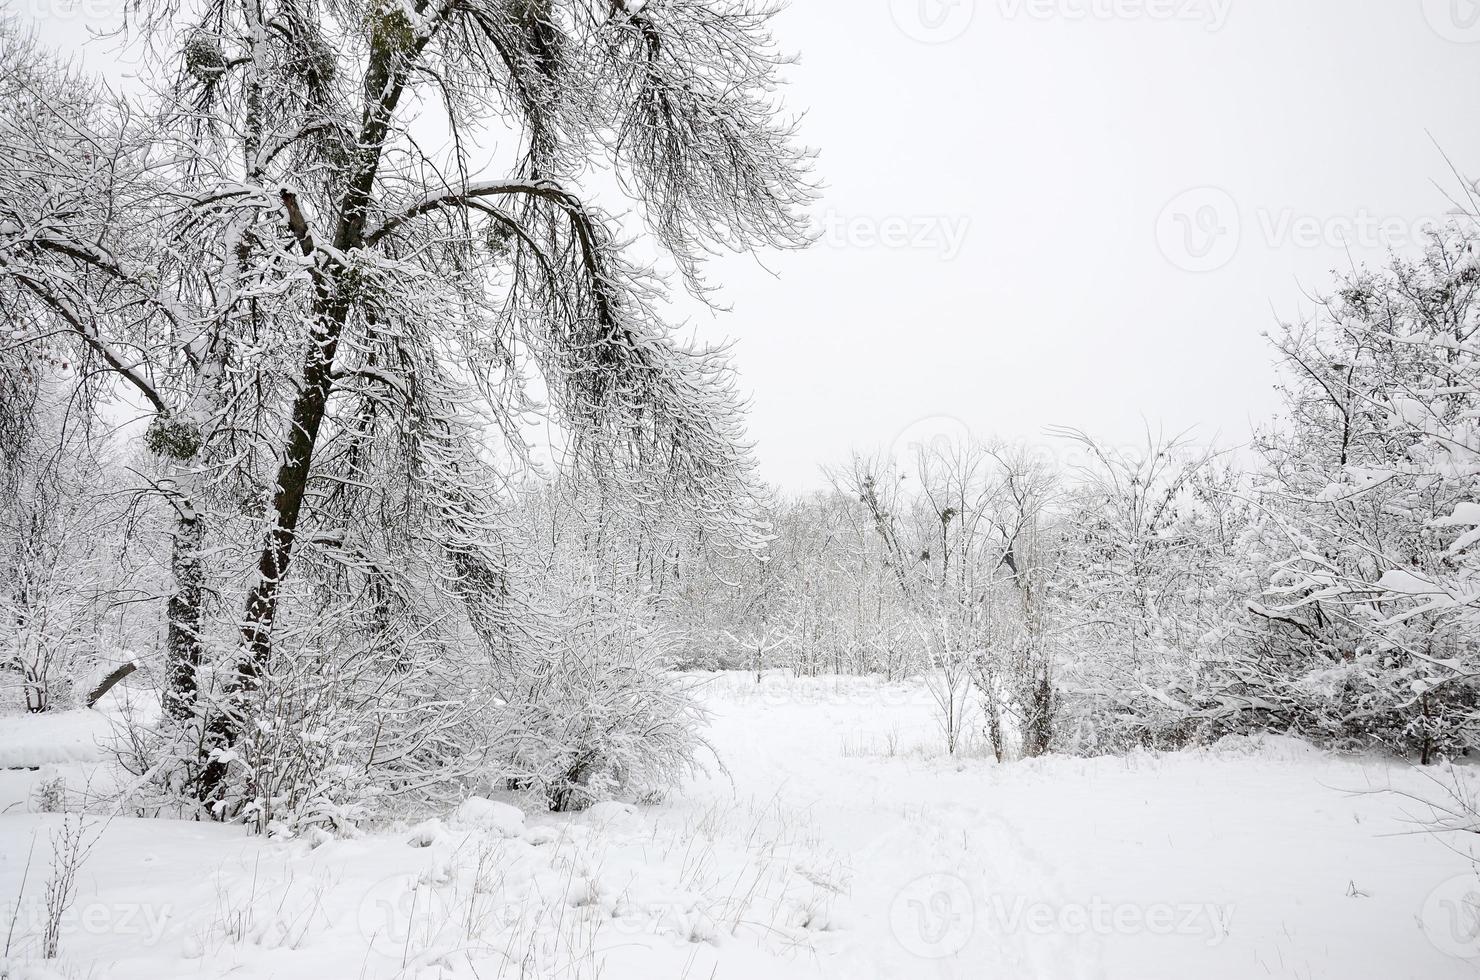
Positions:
(958, 529)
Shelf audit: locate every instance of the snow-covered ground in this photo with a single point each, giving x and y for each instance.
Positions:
(836, 841)
(55, 737)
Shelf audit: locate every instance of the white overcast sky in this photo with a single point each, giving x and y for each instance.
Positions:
(1078, 212)
(1059, 133)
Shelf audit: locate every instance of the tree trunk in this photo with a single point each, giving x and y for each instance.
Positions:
(183, 613)
(1038, 726)
(36, 693)
(994, 718)
(107, 683)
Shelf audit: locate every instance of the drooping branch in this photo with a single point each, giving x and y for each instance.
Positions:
(115, 361)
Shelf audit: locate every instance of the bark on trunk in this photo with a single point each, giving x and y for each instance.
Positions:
(182, 631)
(106, 684)
(1038, 730)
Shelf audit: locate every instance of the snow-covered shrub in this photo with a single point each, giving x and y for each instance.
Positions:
(1332, 593)
(50, 795)
(305, 758)
(344, 728)
(1360, 698)
(1159, 556)
(359, 714)
(70, 849)
(600, 716)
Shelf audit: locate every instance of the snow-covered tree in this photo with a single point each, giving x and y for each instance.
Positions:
(341, 337)
(60, 542)
(1373, 484)
(1154, 575)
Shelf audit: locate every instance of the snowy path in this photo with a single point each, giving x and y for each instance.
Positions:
(837, 843)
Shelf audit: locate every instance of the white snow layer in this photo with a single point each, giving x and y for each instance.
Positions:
(31, 741)
(837, 841)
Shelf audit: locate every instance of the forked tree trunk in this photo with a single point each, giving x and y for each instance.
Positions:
(384, 82)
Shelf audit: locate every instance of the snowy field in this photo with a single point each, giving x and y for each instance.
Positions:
(835, 841)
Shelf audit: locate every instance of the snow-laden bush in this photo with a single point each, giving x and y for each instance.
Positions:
(1155, 567)
(355, 717)
(1372, 621)
(1359, 698)
(600, 716)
